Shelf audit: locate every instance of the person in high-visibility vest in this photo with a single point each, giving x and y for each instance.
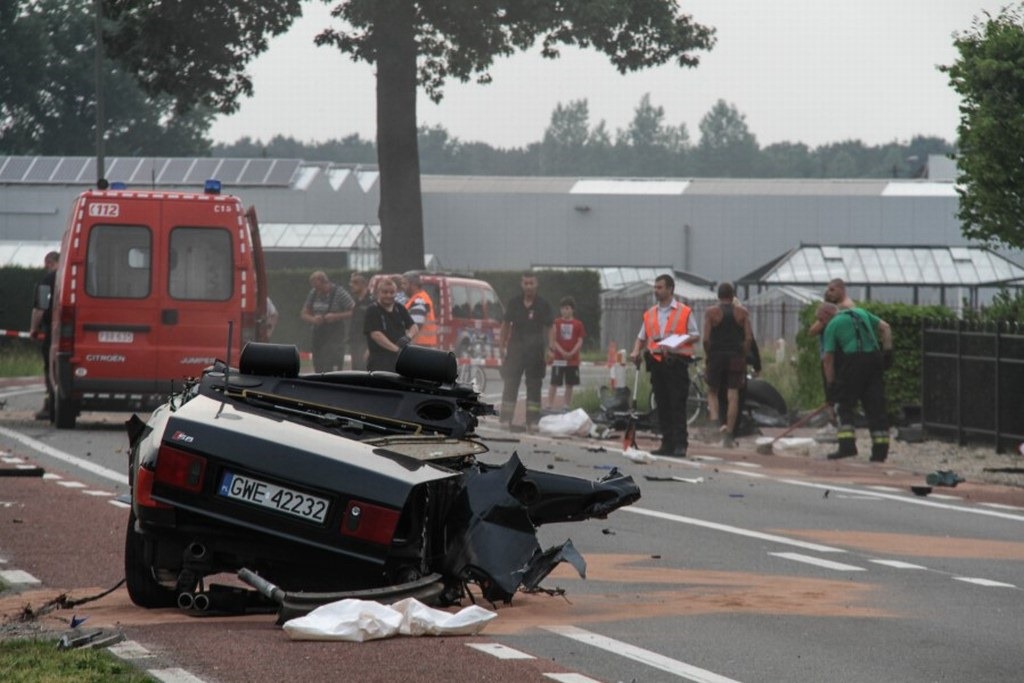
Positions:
(421, 308)
(666, 342)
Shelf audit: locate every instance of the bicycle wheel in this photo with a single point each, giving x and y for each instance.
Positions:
(696, 403)
(474, 376)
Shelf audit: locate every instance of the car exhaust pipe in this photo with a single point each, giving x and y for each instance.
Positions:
(197, 550)
(201, 602)
(185, 601)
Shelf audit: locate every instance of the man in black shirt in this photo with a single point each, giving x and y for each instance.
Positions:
(727, 340)
(388, 328)
(524, 339)
(356, 336)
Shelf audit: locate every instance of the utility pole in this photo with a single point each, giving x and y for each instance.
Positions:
(98, 73)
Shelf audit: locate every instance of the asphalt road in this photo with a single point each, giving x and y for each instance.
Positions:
(759, 568)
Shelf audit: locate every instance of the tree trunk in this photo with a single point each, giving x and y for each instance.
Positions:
(401, 204)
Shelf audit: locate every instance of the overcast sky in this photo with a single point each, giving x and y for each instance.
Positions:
(811, 71)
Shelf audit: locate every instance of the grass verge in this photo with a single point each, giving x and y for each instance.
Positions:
(20, 359)
(37, 660)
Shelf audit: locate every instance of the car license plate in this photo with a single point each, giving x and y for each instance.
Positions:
(269, 495)
(117, 337)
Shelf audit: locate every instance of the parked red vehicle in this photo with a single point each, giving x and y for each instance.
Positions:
(149, 286)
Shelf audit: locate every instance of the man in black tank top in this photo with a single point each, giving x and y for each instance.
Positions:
(727, 340)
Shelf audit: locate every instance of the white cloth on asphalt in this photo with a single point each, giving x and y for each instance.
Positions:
(358, 621)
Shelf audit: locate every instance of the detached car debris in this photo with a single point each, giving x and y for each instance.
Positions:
(326, 486)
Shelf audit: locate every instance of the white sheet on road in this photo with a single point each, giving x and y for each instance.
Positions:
(357, 621)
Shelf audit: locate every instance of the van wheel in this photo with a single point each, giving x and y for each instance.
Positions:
(65, 413)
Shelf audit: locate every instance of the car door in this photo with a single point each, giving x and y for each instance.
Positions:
(200, 286)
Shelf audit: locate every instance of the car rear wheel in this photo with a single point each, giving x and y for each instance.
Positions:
(143, 588)
(65, 413)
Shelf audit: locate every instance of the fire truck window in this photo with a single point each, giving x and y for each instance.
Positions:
(117, 264)
(493, 310)
(200, 266)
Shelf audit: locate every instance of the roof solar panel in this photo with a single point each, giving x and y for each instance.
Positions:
(281, 172)
(68, 170)
(41, 170)
(230, 171)
(175, 171)
(255, 171)
(148, 172)
(14, 169)
(201, 171)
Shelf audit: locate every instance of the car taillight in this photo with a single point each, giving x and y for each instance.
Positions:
(144, 489)
(180, 469)
(66, 342)
(369, 522)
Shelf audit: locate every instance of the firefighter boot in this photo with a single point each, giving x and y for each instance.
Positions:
(847, 445)
(879, 446)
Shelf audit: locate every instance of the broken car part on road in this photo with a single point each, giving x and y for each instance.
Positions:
(326, 484)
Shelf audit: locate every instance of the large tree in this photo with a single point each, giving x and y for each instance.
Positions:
(198, 51)
(989, 77)
(48, 93)
(727, 147)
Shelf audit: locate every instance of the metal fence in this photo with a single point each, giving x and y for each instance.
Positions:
(972, 381)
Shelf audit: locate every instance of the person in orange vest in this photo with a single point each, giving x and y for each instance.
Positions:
(421, 308)
(666, 343)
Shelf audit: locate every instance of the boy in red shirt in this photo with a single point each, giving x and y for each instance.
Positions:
(566, 338)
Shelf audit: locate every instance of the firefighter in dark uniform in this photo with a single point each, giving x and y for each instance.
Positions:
(857, 349)
(667, 363)
(524, 340)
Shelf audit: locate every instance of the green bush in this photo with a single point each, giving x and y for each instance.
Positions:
(902, 380)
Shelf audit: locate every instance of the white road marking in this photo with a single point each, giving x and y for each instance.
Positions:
(500, 651)
(71, 484)
(893, 489)
(912, 500)
(50, 475)
(898, 564)
(743, 473)
(1002, 506)
(571, 678)
(119, 504)
(945, 496)
(818, 562)
(25, 467)
(97, 493)
(732, 529)
(174, 675)
(753, 465)
(983, 582)
(638, 654)
(27, 389)
(73, 460)
(862, 496)
(17, 576)
(129, 649)
(12, 459)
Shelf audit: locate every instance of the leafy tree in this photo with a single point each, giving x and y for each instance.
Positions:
(48, 94)
(565, 139)
(198, 52)
(989, 78)
(652, 147)
(727, 147)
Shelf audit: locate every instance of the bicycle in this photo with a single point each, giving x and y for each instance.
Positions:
(697, 397)
(472, 374)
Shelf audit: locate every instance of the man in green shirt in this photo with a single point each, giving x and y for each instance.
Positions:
(855, 343)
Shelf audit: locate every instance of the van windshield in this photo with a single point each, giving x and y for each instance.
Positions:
(118, 262)
(200, 267)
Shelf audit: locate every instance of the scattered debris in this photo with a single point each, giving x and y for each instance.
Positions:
(697, 480)
(597, 449)
(637, 455)
(944, 478)
(827, 491)
(22, 471)
(608, 532)
(921, 490)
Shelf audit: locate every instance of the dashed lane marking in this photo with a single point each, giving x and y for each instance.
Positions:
(898, 564)
(891, 489)
(17, 576)
(500, 651)
(71, 484)
(989, 583)
(638, 654)
(12, 459)
(571, 678)
(119, 504)
(174, 675)
(817, 562)
(73, 460)
(815, 547)
(744, 473)
(98, 493)
(752, 465)
(1002, 506)
(129, 649)
(51, 476)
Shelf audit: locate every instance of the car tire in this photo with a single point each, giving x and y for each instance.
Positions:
(65, 413)
(143, 588)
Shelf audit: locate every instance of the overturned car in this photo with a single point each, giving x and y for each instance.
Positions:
(317, 486)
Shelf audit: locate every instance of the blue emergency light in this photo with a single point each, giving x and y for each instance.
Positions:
(118, 185)
(212, 186)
